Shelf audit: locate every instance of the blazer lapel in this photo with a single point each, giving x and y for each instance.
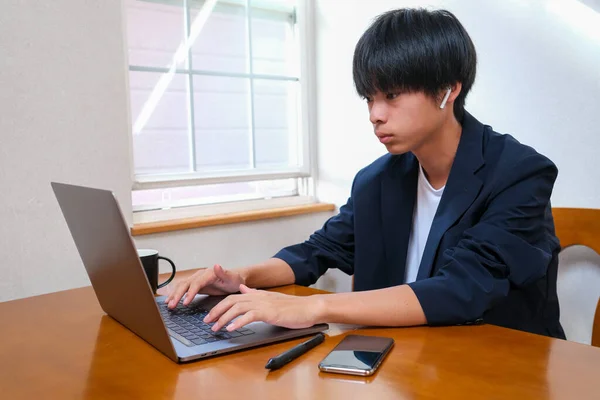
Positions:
(398, 193)
(461, 189)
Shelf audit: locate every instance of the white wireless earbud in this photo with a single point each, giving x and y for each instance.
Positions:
(446, 98)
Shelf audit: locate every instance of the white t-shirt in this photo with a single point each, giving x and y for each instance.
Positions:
(427, 203)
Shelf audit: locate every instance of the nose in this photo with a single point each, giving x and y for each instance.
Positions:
(378, 112)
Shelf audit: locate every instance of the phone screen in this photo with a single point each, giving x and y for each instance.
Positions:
(356, 359)
(357, 354)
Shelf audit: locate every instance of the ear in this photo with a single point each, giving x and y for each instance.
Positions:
(450, 94)
(445, 99)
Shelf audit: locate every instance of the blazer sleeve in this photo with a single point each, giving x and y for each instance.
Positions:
(332, 246)
(511, 245)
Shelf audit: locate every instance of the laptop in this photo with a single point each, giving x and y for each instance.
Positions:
(110, 258)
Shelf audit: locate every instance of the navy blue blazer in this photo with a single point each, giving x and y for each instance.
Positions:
(491, 254)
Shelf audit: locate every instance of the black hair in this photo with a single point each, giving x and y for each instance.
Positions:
(415, 50)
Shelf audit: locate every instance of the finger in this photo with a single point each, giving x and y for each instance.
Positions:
(245, 289)
(171, 291)
(177, 290)
(178, 293)
(174, 291)
(250, 316)
(235, 311)
(221, 273)
(223, 306)
(198, 284)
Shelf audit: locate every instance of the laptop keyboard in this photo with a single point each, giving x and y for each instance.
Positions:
(185, 324)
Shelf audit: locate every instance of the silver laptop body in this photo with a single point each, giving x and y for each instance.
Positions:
(109, 255)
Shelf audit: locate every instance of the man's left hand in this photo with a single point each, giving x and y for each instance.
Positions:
(258, 305)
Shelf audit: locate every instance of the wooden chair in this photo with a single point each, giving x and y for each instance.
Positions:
(580, 226)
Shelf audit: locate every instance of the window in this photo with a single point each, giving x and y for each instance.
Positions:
(218, 101)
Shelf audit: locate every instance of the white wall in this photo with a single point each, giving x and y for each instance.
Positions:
(538, 79)
(238, 245)
(63, 116)
(234, 245)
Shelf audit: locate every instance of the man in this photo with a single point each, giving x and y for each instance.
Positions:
(453, 226)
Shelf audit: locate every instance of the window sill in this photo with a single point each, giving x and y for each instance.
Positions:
(147, 228)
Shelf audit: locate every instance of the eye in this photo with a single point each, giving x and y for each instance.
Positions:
(367, 99)
(391, 96)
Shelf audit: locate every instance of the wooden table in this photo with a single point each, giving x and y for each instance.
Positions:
(62, 346)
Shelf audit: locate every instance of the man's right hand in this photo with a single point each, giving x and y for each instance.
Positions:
(211, 281)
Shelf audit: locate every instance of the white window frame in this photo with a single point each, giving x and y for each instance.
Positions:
(306, 172)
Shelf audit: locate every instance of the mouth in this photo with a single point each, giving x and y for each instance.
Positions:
(384, 137)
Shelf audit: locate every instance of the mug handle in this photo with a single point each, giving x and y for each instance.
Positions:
(165, 283)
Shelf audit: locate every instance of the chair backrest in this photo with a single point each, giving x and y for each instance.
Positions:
(580, 226)
(596, 329)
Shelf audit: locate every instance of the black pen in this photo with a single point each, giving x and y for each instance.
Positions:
(295, 352)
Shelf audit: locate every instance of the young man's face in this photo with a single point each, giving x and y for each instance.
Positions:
(404, 122)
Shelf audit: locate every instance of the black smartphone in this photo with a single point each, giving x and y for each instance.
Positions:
(357, 355)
